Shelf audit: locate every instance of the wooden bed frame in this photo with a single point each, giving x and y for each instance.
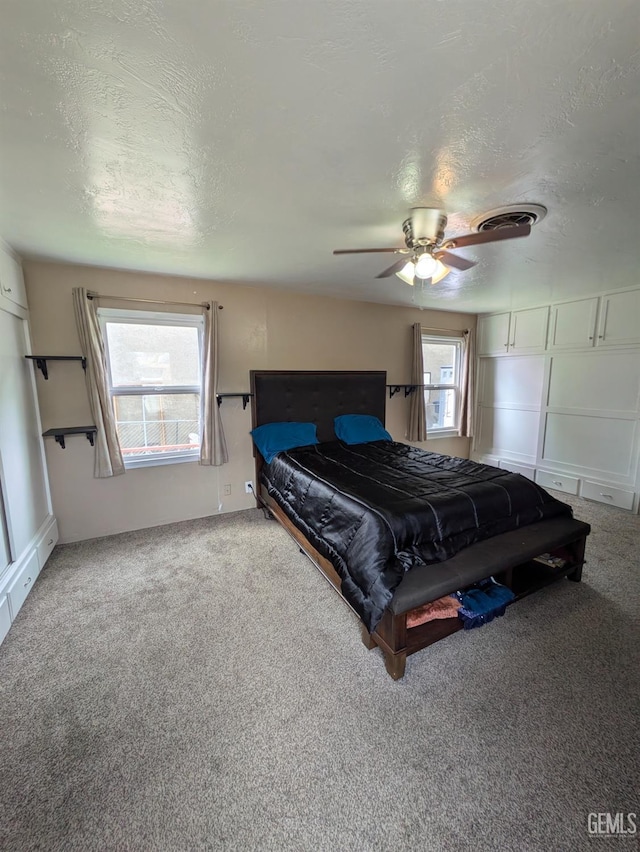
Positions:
(511, 557)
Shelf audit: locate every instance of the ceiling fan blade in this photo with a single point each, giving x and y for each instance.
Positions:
(395, 267)
(364, 251)
(453, 260)
(488, 236)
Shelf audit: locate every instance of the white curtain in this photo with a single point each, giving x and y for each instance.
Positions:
(213, 448)
(417, 427)
(467, 384)
(108, 458)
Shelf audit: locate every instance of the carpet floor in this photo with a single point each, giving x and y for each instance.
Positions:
(199, 686)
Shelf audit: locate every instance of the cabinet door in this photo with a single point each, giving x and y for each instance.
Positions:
(493, 334)
(11, 280)
(23, 477)
(619, 319)
(529, 330)
(573, 324)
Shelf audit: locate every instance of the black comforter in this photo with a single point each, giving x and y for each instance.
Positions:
(376, 510)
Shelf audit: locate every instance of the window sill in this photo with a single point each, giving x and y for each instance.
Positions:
(157, 461)
(441, 433)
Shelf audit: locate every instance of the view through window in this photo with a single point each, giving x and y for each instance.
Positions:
(442, 361)
(154, 362)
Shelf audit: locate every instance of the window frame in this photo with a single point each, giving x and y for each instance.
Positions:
(131, 316)
(447, 339)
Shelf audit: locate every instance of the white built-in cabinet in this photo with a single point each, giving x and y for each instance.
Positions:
(12, 289)
(611, 320)
(493, 334)
(576, 429)
(573, 324)
(520, 332)
(28, 529)
(619, 323)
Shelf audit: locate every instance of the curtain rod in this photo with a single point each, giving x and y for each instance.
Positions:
(91, 295)
(455, 330)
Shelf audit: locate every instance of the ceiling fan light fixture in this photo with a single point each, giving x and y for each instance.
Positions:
(440, 273)
(426, 266)
(408, 272)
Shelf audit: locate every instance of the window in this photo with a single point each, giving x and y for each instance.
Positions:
(442, 368)
(153, 365)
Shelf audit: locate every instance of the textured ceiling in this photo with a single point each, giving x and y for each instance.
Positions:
(244, 140)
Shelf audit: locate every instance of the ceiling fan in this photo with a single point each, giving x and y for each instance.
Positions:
(427, 257)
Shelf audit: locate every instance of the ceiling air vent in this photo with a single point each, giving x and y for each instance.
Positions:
(509, 216)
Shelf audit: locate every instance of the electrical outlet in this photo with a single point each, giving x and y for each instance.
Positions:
(227, 491)
(248, 486)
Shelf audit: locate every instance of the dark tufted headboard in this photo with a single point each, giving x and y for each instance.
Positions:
(316, 397)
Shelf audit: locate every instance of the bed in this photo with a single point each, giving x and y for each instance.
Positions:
(393, 527)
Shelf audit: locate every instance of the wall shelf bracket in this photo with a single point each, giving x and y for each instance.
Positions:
(59, 433)
(408, 389)
(245, 398)
(41, 361)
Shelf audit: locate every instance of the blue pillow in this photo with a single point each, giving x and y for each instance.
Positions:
(360, 429)
(271, 438)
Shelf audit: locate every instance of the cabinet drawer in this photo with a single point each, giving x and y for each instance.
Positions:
(558, 481)
(47, 543)
(23, 583)
(5, 617)
(606, 494)
(522, 469)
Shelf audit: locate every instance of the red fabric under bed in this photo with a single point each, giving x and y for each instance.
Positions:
(446, 607)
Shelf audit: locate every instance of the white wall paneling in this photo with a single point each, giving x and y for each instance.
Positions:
(515, 381)
(24, 485)
(26, 521)
(597, 445)
(5, 551)
(596, 381)
(5, 616)
(587, 421)
(510, 392)
(509, 433)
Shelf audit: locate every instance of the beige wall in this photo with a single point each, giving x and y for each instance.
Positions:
(260, 328)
